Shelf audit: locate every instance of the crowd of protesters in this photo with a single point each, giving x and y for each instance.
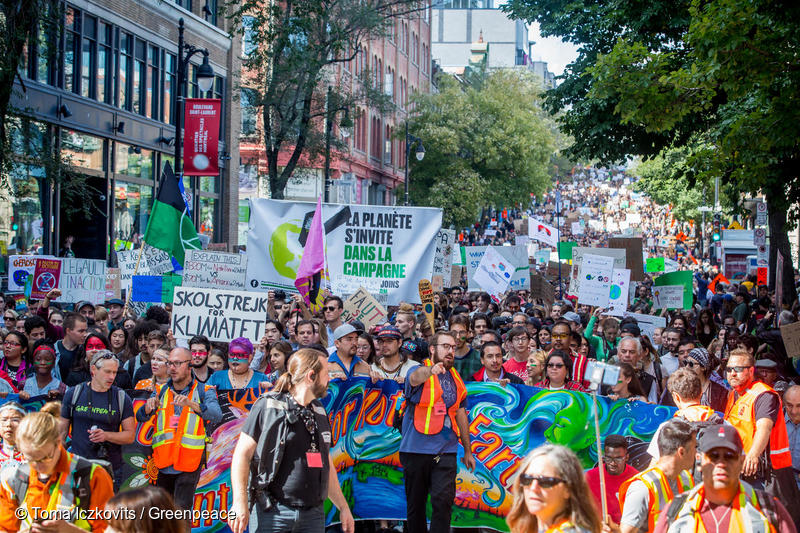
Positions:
(730, 456)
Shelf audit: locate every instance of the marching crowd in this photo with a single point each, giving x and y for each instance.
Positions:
(727, 461)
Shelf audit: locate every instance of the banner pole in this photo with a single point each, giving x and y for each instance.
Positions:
(135, 270)
(600, 456)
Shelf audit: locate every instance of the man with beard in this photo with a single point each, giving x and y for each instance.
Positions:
(285, 448)
(390, 363)
(561, 335)
(434, 420)
(199, 345)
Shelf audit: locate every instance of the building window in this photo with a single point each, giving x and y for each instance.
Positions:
(249, 110)
(387, 146)
(125, 70)
(152, 92)
(139, 78)
(248, 36)
(170, 61)
(89, 57)
(132, 204)
(82, 151)
(210, 11)
(185, 4)
(134, 162)
(105, 63)
(207, 216)
(72, 40)
(388, 82)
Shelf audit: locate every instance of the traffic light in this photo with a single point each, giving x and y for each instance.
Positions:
(716, 235)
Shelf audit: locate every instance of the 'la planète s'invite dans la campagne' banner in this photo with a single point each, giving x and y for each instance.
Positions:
(385, 249)
(505, 423)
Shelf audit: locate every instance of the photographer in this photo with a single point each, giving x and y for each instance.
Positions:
(99, 414)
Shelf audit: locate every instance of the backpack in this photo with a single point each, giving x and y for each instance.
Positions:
(76, 394)
(81, 478)
(765, 502)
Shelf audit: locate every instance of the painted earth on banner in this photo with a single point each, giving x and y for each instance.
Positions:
(505, 423)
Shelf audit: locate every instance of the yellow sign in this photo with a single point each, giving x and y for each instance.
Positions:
(735, 225)
(3, 248)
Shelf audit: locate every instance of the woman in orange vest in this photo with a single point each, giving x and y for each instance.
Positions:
(551, 494)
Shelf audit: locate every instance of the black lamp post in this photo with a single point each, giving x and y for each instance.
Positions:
(330, 114)
(205, 81)
(411, 139)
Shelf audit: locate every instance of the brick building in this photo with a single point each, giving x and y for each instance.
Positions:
(105, 101)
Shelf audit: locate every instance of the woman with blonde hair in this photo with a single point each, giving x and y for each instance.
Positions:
(53, 478)
(551, 494)
(130, 512)
(535, 367)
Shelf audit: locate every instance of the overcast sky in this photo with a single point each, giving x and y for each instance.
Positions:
(557, 53)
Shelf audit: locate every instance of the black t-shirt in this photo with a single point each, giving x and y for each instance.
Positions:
(143, 372)
(82, 419)
(65, 359)
(295, 484)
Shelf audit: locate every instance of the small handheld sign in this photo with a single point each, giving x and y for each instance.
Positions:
(426, 297)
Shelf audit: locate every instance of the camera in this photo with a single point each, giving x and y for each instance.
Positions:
(501, 324)
(102, 451)
(280, 294)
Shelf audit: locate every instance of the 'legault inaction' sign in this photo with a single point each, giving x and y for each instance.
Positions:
(219, 315)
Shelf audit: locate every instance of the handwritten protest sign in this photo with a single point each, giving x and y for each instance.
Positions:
(790, 333)
(46, 276)
(682, 278)
(443, 259)
(217, 314)
(539, 231)
(668, 297)
(154, 261)
(82, 279)
(20, 268)
(364, 307)
(633, 254)
(112, 283)
(577, 257)
(494, 273)
(214, 270)
(595, 275)
(426, 296)
(618, 295)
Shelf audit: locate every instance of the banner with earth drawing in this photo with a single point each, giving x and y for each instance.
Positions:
(385, 249)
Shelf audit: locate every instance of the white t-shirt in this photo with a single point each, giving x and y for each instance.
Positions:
(402, 372)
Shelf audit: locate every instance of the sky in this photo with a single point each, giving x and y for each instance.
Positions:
(557, 53)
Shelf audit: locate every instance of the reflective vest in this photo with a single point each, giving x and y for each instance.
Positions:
(180, 447)
(659, 491)
(62, 496)
(430, 411)
(746, 515)
(695, 413)
(741, 415)
(566, 526)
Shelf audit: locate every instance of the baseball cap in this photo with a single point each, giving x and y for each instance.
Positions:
(571, 316)
(360, 328)
(721, 436)
(115, 301)
(767, 363)
(83, 303)
(388, 332)
(630, 327)
(343, 331)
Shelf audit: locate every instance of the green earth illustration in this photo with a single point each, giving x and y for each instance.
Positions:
(285, 250)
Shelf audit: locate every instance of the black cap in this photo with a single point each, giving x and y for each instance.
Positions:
(631, 328)
(721, 436)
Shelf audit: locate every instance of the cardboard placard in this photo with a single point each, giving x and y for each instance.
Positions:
(82, 279)
(541, 288)
(426, 297)
(219, 315)
(577, 257)
(683, 278)
(364, 307)
(445, 243)
(112, 283)
(618, 295)
(46, 277)
(790, 333)
(455, 275)
(633, 254)
(494, 273)
(154, 261)
(214, 270)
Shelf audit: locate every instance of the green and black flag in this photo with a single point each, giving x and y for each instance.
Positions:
(170, 227)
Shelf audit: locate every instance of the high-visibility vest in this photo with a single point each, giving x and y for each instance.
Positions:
(746, 514)
(659, 491)
(182, 447)
(741, 415)
(695, 413)
(565, 526)
(428, 418)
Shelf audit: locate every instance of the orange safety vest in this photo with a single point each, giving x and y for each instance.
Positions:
(429, 412)
(660, 493)
(741, 415)
(180, 447)
(746, 513)
(696, 413)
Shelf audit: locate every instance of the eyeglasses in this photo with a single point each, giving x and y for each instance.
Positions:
(176, 364)
(448, 346)
(329, 308)
(556, 365)
(737, 369)
(609, 459)
(520, 339)
(12, 344)
(545, 482)
(559, 335)
(45, 458)
(727, 456)
(691, 364)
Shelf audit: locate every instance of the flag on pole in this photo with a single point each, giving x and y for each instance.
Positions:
(170, 227)
(312, 276)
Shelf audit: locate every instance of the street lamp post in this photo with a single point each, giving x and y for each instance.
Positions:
(411, 139)
(205, 80)
(330, 114)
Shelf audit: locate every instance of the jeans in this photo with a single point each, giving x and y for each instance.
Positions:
(429, 474)
(180, 486)
(281, 518)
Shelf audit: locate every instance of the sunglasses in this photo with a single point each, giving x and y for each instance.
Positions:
(691, 364)
(717, 456)
(737, 369)
(545, 482)
(330, 308)
(556, 365)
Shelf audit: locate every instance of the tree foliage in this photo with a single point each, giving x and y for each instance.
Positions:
(293, 48)
(486, 143)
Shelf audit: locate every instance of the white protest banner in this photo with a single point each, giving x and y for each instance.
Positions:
(517, 256)
(541, 257)
(217, 314)
(82, 279)
(595, 275)
(522, 240)
(670, 265)
(648, 323)
(578, 252)
(490, 232)
(443, 259)
(539, 231)
(385, 249)
(618, 295)
(214, 270)
(577, 229)
(668, 296)
(364, 307)
(493, 274)
(19, 268)
(154, 261)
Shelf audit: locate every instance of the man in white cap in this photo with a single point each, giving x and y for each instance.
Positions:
(343, 362)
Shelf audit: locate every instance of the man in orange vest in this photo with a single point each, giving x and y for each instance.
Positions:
(435, 418)
(183, 408)
(755, 410)
(646, 495)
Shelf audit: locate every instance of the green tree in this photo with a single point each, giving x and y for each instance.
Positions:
(486, 143)
(292, 51)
